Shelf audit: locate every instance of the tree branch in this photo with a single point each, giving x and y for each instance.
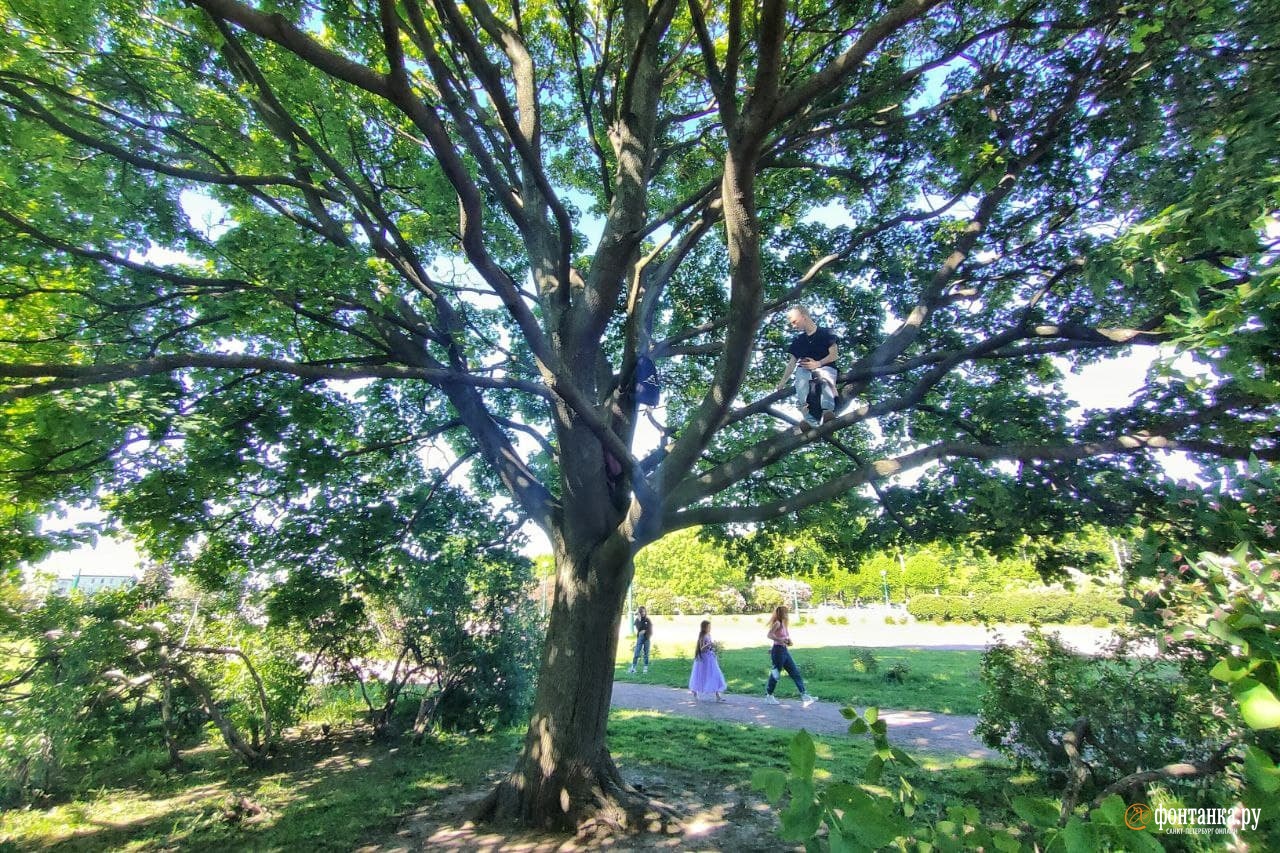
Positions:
(1218, 762)
(84, 375)
(1129, 443)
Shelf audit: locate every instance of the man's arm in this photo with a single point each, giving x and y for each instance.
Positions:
(791, 368)
(833, 352)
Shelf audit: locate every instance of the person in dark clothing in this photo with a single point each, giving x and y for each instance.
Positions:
(644, 631)
(811, 359)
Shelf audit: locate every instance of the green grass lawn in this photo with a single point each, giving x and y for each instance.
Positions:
(941, 681)
(732, 752)
(341, 792)
(319, 794)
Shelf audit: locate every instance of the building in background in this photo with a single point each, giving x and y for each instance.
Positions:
(89, 584)
(110, 564)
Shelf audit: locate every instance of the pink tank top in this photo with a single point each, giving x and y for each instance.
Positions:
(782, 634)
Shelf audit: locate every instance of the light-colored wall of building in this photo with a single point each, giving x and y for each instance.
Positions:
(90, 584)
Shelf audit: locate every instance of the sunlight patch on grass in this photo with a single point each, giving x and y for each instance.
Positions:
(648, 742)
(329, 795)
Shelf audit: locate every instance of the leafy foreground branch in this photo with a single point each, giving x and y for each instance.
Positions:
(1223, 619)
(878, 812)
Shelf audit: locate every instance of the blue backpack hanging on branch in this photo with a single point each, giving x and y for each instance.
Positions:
(648, 386)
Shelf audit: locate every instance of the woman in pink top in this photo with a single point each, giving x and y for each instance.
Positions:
(780, 657)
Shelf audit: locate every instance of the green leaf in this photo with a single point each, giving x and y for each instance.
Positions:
(836, 842)
(873, 822)
(1224, 632)
(1037, 811)
(1110, 811)
(874, 770)
(1261, 771)
(902, 758)
(871, 715)
(858, 727)
(802, 756)
(841, 794)
(1258, 705)
(1245, 621)
(802, 817)
(1230, 669)
(1240, 553)
(772, 782)
(1005, 843)
(1137, 840)
(1078, 836)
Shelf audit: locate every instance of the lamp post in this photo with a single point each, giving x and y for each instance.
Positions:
(884, 581)
(902, 568)
(791, 564)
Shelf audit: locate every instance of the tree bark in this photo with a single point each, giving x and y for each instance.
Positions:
(166, 721)
(565, 778)
(230, 736)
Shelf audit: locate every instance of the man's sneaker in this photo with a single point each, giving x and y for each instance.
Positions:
(646, 670)
(631, 669)
(808, 700)
(770, 699)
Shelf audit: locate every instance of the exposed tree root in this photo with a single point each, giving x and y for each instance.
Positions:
(592, 805)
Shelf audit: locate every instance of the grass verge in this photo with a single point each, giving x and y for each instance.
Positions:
(944, 682)
(649, 743)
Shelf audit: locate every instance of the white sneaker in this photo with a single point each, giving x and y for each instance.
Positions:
(770, 699)
(646, 670)
(631, 669)
(808, 700)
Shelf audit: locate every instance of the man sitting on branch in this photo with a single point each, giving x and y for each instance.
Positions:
(813, 354)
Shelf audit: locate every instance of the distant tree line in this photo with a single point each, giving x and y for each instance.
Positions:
(690, 572)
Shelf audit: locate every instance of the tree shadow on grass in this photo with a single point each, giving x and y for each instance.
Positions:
(317, 794)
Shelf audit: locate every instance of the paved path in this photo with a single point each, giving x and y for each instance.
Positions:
(911, 730)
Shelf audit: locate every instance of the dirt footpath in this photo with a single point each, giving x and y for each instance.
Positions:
(911, 730)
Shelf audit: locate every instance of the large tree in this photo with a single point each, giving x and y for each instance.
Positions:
(217, 214)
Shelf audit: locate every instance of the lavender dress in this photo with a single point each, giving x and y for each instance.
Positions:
(706, 676)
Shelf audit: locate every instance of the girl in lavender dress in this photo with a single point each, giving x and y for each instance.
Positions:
(706, 676)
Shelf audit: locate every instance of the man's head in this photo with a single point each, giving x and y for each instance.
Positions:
(800, 319)
(642, 612)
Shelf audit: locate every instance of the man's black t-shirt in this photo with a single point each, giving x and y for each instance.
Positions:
(643, 626)
(815, 346)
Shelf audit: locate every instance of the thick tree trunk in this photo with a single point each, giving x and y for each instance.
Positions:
(565, 778)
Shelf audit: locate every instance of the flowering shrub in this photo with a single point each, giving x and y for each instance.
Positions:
(768, 594)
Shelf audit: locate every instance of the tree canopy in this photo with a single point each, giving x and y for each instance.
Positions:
(248, 243)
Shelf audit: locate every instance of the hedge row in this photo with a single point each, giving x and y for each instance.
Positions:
(1044, 607)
